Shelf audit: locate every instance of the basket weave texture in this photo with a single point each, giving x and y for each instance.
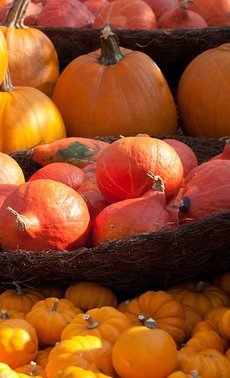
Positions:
(150, 260)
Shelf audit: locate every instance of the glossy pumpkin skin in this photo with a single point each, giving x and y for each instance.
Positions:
(49, 317)
(3, 56)
(77, 372)
(88, 295)
(10, 171)
(62, 172)
(51, 212)
(135, 157)
(105, 322)
(18, 342)
(199, 295)
(20, 299)
(33, 60)
(41, 124)
(209, 363)
(128, 14)
(163, 309)
(76, 151)
(130, 94)
(88, 352)
(140, 351)
(201, 80)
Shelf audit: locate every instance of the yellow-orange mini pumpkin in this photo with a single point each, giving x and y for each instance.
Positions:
(77, 372)
(6, 371)
(32, 370)
(114, 91)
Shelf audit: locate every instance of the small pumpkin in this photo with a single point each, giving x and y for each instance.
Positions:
(42, 356)
(87, 295)
(6, 371)
(202, 340)
(88, 352)
(32, 370)
(223, 281)
(49, 317)
(192, 317)
(3, 56)
(181, 374)
(132, 351)
(222, 316)
(56, 218)
(11, 314)
(210, 325)
(77, 372)
(105, 322)
(130, 93)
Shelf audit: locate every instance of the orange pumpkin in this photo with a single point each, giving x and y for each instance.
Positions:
(33, 60)
(143, 352)
(206, 77)
(6, 371)
(223, 280)
(180, 374)
(42, 356)
(158, 309)
(77, 372)
(11, 314)
(210, 325)
(49, 317)
(31, 369)
(18, 342)
(88, 352)
(199, 295)
(192, 317)
(130, 94)
(88, 295)
(205, 340)
(221, 315)
(105, 322)
(28, 117)
(3, 56)
(10, 170)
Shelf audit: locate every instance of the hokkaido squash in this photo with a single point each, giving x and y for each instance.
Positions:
(33, 60)
(216, 13)
(114, 91)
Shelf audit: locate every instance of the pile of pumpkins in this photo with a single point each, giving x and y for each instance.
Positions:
(83, 330)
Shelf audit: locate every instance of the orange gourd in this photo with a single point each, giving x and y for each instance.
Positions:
(143, 352)
(49, 317)
(10, 171)
(33, 60)
(206, 77)
(130, 93)
(27, 117)
(3, 56)
(87, 295)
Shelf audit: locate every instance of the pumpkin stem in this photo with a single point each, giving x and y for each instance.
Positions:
(110, 51)
(21, 221)
(18, 288)
(6, 85)
(14, 14)
(147, 322)
(199, 286)
(194, 374)
(33, 371)
(91, 322)
(158, 182)
(21, 14)
(55, 306)
(4, 315)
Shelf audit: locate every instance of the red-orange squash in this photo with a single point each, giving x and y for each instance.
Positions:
(123, 93)
(216, 13)
(186, 154)
(135, 157)
(44, 214)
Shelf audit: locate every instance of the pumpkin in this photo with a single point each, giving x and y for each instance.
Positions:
(143, 352)
(58, 292)
(19, 299)
(192, 317)
(32, 369)
(49, 317)
(77, 151)
(10, 170)
(206, 77)
(126, 14)
(222, 316)
(161, 6)
(223, 281)
(33, 60)
(180, 374)
(95, 6)
(5, 190)
(18, 342)
(105, 322)
(118, 220)
(206, 192)
(3, 56)
(87, 295)
(88, 352)
(135, 157)
(158, 309)
(62, 172)
(95, 203)
(6, 371)
(200, 295)
(11, 314)
(216, 14)
(186, 154)
(205, 340)
(27, 117)
(209, 363)
(91, 184)
(227, 354)
(77, 372)
(44, 214)
(123, 93)
(42, 356)
(225, 154)
(210, 325)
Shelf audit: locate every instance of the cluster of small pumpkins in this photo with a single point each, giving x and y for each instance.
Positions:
(83, 330)
(128, 14)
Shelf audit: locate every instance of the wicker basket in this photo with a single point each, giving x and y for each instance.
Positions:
(133, 264)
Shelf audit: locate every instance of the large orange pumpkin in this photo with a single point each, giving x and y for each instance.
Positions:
(33, 60)
(203, 95)
(3, 56)
(114, 91)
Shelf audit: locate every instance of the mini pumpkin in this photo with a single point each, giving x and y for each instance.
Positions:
(77, 372)
(32, 370)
